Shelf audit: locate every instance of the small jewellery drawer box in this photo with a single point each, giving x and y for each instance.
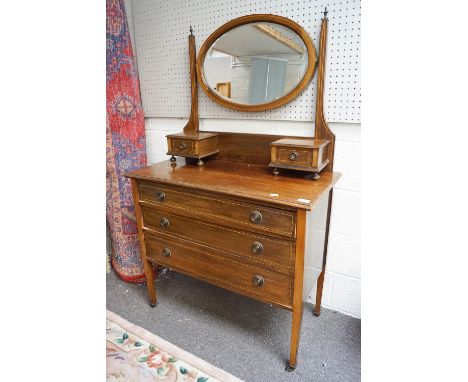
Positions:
(304, 154)
(193, 145)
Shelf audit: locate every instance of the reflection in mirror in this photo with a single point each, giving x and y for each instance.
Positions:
(255, 63)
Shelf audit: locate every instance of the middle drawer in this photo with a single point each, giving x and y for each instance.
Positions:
(257, 248)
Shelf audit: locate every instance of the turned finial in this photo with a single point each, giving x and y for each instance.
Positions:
(325, 12)
(191, 31)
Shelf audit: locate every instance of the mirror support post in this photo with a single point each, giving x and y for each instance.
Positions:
(192, 143)
(322, 131)
(192, 125)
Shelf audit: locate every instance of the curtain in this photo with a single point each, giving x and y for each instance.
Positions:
(125, 143)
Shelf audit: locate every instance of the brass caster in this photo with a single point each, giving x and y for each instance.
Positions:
(316, 314)
(275, 171)
(200, 162)
(173, 159)
(315, 176)
(290, 368)
(153, 304)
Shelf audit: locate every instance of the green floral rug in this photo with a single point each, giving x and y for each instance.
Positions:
(136, 355)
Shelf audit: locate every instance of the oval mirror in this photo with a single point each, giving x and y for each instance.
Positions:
(256, 62)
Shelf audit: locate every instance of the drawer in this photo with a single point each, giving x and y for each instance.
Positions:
(305, 154)
(249, 280)
(261, 249)
(185, 146)
(294, 157)
(192, 144)
(223, 211)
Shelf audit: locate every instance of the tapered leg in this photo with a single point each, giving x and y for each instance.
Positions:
(150, 283)
(295, 335)
(321, 278)
(298, 289)
(146, 263)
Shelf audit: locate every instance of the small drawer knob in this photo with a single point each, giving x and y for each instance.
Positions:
(183, 146)
(256, 217)
(164, 222)
(293, 155)
(257, 247)
(166, 252)
(258, 280)
(161, 196)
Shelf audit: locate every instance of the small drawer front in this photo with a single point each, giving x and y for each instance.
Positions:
(224, 211)
(183, 146)
(233, 275)
(294, 156)
(257, 248)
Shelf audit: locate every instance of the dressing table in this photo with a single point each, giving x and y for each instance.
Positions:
(217, 212)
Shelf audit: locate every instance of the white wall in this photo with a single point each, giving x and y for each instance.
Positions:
(342, 289)
(218, 69)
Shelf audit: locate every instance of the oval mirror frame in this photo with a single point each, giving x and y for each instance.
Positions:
(286, 98)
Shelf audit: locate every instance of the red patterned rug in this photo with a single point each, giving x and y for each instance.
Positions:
(125, 141)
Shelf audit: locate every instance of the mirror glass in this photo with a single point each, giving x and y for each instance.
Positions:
(255, 63)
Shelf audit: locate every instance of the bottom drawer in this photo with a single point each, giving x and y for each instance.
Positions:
(249, 280)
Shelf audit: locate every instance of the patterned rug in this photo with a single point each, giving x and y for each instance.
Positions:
(125, 143)
(136, 355)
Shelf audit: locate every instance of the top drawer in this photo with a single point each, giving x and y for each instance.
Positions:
(229, 212)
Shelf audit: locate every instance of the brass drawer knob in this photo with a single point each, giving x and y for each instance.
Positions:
(257, 247)
(256, 217)
(293, 155)
(166, 252)
(161, 196)
(164, 222)
(258, 280)
(183, 146)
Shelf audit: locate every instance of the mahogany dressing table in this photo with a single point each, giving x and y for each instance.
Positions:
(229, 220)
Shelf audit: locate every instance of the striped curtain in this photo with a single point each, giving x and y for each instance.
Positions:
(125, 141)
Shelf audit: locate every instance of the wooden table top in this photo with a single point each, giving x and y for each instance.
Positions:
(289, 189)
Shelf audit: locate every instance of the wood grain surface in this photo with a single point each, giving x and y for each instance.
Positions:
(243, 181)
